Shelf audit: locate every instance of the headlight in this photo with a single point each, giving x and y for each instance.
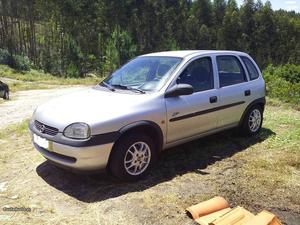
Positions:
(78, 131)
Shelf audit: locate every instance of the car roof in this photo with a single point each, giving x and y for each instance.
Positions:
(186, 53)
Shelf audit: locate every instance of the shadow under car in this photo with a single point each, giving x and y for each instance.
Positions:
(190, 157)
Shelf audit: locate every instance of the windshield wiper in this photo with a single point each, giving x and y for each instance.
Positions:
(104, 84)
(128, 88)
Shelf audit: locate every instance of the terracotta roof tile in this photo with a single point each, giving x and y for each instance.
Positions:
(216, 211)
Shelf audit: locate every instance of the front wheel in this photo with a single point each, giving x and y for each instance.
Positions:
(132, 157)
(252, 121)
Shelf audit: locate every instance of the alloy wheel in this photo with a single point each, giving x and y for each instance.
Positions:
(254, 120)
(137, 158)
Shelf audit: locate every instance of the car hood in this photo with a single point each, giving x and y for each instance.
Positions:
(91, 106)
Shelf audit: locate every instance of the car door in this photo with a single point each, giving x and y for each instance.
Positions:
(190, 115)
(233, 89)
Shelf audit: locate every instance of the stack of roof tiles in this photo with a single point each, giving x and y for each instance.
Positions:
(217, 211)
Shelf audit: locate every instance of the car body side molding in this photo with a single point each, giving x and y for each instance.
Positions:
(198, 113)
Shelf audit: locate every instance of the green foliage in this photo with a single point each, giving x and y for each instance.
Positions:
(34, 79)
(283, 82)
(91, 62)
(20, 62)
(119, 49)
(76, 37)
(4, 57)
(205, 38)
(72, 70)
(173, 46)
(230, 30)
(112, 57)
(288, 72)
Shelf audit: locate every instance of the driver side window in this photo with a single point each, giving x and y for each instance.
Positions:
(198, 74)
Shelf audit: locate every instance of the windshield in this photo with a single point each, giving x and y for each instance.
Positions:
(147, 73)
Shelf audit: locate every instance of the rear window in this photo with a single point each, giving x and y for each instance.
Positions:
(230, 70)
(252, 71)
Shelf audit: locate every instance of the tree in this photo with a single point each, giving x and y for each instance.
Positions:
(248, 26)
(265, 34)
(74, 37)
(119, 49)
(218, 7)
(202, 10)
(231, 30)
(204, 40)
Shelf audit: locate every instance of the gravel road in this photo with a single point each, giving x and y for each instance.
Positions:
(23, 103)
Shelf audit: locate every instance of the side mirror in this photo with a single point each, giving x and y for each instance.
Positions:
(179, 89)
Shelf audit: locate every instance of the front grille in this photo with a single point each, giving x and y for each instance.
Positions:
(45, 129)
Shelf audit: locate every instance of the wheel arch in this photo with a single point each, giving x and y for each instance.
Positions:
(260, 101)
(150, 128)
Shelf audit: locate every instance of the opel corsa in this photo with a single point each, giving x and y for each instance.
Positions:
(154, 102)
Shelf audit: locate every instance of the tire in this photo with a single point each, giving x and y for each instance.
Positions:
(252, 121)
(137, 163)
(6, 95)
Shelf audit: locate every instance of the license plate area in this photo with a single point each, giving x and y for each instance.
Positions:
(42, 142)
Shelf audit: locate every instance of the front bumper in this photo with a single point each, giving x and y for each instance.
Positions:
(77, 157)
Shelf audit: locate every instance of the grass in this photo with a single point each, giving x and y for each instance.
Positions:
(33, 79)
(16, 86)
(272, 168)
(261, 172)
(276, 102)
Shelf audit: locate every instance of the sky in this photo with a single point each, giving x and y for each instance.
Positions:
(282, 4)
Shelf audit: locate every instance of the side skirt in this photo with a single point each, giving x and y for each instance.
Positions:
(188, 139)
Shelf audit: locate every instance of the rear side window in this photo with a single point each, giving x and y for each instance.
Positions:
(230, 70)
(252, 71)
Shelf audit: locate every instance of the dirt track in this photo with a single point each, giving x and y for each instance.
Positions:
(23, 103)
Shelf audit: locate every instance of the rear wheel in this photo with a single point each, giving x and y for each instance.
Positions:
(252, 121)
(6, 95)
(132, 157)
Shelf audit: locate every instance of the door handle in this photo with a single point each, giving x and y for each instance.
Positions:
(213, 99)
(247, 93)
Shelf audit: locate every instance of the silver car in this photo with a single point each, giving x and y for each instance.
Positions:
(154, 102)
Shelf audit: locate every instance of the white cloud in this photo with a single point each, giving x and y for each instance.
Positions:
(292, 5)
(291, 2)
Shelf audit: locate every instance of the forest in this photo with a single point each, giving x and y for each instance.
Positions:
(75, 37)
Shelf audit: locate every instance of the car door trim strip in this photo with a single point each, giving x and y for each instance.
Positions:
(198, 113)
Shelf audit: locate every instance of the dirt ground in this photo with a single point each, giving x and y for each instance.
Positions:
(23, 103)
(261, 172)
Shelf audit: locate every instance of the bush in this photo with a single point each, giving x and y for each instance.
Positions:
(72, 70)
(288, 72)
(17, 62)
(4, 57)
(20, 62)
(283, 82)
